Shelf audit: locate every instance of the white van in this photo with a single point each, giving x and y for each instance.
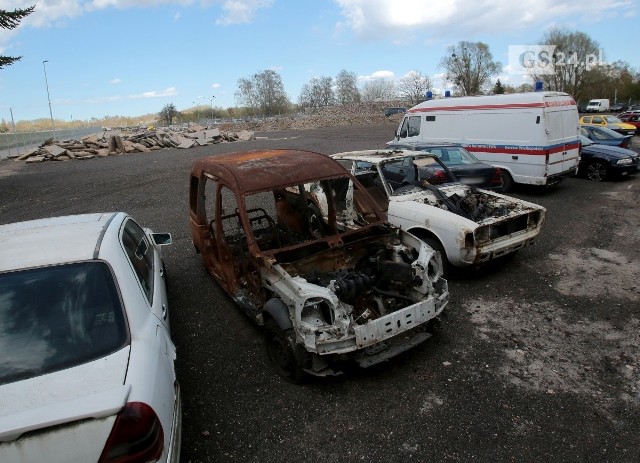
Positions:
(532, 137)
(599, 105)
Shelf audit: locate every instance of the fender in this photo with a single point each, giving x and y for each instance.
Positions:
(279, 312)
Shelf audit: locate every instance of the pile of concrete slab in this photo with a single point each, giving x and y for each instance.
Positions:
(111, 144)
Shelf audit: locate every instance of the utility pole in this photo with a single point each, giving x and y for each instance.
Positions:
(53, 127)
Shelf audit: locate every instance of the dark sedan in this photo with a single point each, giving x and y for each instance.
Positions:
(600, 162)
(465, 166)
(605, 136)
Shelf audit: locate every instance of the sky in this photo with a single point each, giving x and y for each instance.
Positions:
(108, 58)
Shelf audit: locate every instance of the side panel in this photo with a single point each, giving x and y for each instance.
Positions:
(512, 139)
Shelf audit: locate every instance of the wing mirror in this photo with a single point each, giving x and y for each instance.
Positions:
(161, 239)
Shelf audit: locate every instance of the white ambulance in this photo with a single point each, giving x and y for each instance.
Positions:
(532, 137)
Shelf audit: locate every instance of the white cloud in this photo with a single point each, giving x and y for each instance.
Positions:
(389, 75)
(215, 85)
(52, 12)
(115, 81)
(241, 11)
(379, 18)
(171, 91)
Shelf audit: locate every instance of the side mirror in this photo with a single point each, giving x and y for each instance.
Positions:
(161, 239)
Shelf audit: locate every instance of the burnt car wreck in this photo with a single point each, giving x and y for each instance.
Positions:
(343, 287)
(469, 226)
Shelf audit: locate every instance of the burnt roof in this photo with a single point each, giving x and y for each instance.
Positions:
(258, 170)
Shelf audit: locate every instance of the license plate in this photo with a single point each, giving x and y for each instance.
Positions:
(471, 180)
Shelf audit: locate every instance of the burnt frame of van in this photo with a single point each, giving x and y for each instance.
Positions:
(236, 266)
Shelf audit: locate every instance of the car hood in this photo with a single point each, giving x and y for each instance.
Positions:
(608, 150)
(497, 208)
(93, 390)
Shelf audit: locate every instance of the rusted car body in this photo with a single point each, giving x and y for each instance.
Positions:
(348, 287)
(467, 225)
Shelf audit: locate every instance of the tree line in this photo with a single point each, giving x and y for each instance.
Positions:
(469, 68)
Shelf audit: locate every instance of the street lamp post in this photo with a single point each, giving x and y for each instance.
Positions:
(53, 127)
(212, 108)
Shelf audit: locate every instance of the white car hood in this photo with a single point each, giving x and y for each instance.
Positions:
(92, 390)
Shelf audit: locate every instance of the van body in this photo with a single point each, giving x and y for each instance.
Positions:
(532, 137)
(599, 105)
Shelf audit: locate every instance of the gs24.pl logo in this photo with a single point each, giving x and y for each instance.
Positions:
(544, 59)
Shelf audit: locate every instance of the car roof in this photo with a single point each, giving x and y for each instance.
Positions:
(422, 144)
(52, 240)
(259, 170)
(379, 156)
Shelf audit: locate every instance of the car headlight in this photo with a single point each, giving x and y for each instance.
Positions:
(624, 161)
(317, 312)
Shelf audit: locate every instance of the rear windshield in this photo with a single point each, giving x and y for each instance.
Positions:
(57, 317)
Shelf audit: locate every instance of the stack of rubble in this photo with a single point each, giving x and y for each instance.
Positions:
(144, 142)
(365, 113)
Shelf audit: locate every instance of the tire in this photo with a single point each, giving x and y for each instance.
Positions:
(447, 268)
(285, 356)
(507, 181)
(597, 171)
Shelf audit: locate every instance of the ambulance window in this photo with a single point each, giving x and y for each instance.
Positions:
(414, 126)
(430, 118)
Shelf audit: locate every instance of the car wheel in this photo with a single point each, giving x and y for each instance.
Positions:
(285, 356)
(447, 268)
(596, 171)
(507, 181)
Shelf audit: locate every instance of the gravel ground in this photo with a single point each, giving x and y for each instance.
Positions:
(539, 361)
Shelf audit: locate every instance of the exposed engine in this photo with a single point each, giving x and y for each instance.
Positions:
(379, 284)
(474, 205)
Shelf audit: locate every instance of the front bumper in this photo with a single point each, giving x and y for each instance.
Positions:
(394, 325)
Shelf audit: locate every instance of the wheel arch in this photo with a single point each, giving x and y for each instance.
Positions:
(425, 234)
(277, 310)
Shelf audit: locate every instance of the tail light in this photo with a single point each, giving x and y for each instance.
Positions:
(438, 177)
(497, 177)
(136, 436)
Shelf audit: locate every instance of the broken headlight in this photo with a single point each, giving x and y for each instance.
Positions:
(317, 312)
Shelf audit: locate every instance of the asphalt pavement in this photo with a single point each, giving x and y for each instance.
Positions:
(539, 360)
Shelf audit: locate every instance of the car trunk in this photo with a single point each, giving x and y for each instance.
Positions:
(65, 415)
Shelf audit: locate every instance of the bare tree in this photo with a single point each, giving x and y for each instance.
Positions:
(469, 66)
(263, 93)
(317, 92)
(347, 87)
(378, 89)
(573, 64)
(11, 20)
(246, 94)
(413, 86)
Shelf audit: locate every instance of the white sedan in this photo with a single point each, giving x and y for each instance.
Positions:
(86, 358)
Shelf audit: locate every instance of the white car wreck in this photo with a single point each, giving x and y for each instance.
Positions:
(325, 291)
(467, 225)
